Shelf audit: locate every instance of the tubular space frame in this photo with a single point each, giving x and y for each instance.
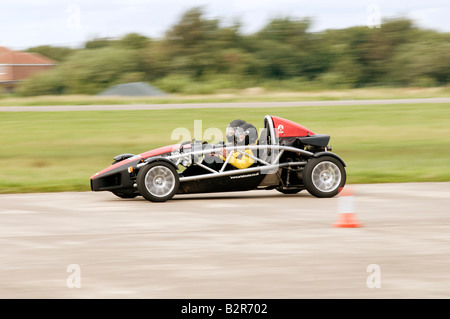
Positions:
(266, 168)
(270, 166)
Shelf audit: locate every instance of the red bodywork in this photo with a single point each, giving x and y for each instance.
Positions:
(286, 128)
(161, 150)
(155, 152)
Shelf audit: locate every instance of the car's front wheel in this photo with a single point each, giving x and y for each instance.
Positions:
(158, 181)
(324, 176)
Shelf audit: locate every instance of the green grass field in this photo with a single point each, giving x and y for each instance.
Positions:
(60, 151)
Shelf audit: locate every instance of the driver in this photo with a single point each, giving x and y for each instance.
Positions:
(231, 130)
(239, 133)
(244, 134)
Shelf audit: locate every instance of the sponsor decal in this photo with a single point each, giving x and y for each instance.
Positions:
(244, 176)
(280, 129)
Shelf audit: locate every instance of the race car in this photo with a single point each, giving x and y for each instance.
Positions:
(286, 156)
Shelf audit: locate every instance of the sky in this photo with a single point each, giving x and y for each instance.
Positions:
(28, 23)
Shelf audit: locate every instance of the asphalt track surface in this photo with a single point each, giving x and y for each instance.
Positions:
(137, 107)
(257, 244)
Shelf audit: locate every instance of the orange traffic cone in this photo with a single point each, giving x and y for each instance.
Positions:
(345, 209)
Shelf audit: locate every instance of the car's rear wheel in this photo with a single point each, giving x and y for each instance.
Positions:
(158, 181)
(324, 176)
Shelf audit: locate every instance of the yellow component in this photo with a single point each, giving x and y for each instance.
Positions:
(240, 160)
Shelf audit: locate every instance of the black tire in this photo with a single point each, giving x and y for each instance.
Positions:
(289, 190)
(158, 181)
(324, 176)
(125, 194)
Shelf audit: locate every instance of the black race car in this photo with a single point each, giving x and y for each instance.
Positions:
(286, 156)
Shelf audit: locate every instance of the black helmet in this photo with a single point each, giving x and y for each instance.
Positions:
(246, 134)
(231, 129)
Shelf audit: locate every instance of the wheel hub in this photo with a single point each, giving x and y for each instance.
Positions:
(325, 176)
(159, 181)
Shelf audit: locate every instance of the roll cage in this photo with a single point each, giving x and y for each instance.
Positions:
(267, 159)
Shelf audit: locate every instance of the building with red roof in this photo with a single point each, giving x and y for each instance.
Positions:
(16, 66)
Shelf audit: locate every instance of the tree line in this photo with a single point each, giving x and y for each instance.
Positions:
(201, 55)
